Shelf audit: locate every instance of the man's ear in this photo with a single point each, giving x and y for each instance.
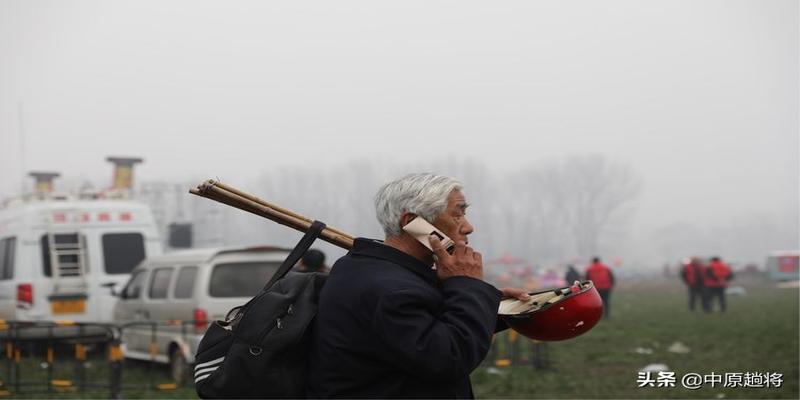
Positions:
(406, 218)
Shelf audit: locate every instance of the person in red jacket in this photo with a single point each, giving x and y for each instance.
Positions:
(603, 280)
(693, 275)
(716, 279)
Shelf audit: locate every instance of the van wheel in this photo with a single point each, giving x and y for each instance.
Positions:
(178, 367)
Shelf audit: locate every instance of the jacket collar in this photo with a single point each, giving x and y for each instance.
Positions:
(377, 249)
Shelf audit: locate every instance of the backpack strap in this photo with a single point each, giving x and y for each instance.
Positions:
(297, 252)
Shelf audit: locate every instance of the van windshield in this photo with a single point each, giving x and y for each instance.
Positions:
(243, 279)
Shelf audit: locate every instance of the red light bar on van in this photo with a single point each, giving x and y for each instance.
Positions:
(85, 217)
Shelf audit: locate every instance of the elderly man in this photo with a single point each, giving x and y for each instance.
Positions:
(397, 320)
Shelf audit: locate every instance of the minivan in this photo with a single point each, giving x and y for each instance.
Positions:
(167, 304)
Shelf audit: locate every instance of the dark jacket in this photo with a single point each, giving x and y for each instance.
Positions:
(387, 328)
(572, 276)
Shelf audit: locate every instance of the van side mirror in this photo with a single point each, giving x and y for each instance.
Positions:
(112, 288)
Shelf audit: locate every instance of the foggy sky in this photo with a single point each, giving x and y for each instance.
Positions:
(699, 97)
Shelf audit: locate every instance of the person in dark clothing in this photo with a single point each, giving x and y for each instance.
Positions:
(396, 320)
(312, 261)
(603, 280)
(692, 275)
(572, 275)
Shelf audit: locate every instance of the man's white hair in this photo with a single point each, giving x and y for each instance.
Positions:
(423, 194)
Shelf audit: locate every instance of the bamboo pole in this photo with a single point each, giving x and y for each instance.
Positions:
(272, 206)
(217, 191)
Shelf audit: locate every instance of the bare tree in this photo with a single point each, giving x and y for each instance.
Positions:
(547, 212)
(577, 200)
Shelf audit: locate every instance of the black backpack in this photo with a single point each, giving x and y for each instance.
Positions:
(260, 350)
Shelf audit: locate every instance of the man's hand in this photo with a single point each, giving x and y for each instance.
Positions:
(515, 293)
(463, 262)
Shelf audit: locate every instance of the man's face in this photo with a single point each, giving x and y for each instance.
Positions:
(453, 221)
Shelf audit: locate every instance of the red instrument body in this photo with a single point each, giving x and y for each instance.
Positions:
(575, 313)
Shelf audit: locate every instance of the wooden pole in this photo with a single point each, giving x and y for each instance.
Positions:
(217, 191)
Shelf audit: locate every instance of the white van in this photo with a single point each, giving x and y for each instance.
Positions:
(179, 293)
(61, 255)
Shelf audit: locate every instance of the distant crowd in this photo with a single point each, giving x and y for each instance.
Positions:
(706, 282)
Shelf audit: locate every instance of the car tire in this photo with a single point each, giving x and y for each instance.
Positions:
(178, 367)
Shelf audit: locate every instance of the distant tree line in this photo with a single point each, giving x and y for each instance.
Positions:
(548, 212)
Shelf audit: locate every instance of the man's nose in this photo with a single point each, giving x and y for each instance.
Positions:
(466, 228)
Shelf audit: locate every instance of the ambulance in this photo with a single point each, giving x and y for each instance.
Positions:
(62, 255)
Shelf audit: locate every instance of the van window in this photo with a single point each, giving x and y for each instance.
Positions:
(122, 252)
(68, 243)
(159, 283)
(184, 284)
(7, 250)
(244, 279)
(134, 287)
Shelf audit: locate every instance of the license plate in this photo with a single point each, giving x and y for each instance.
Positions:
(68, 306)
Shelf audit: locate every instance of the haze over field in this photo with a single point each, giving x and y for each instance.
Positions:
(690, 108)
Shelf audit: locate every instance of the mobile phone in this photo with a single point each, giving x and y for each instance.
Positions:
(420, 229)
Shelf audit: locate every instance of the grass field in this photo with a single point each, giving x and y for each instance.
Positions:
(759, 333)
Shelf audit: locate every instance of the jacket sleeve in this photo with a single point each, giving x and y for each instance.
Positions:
(683, 275)
(438, 340)
(501, 325)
